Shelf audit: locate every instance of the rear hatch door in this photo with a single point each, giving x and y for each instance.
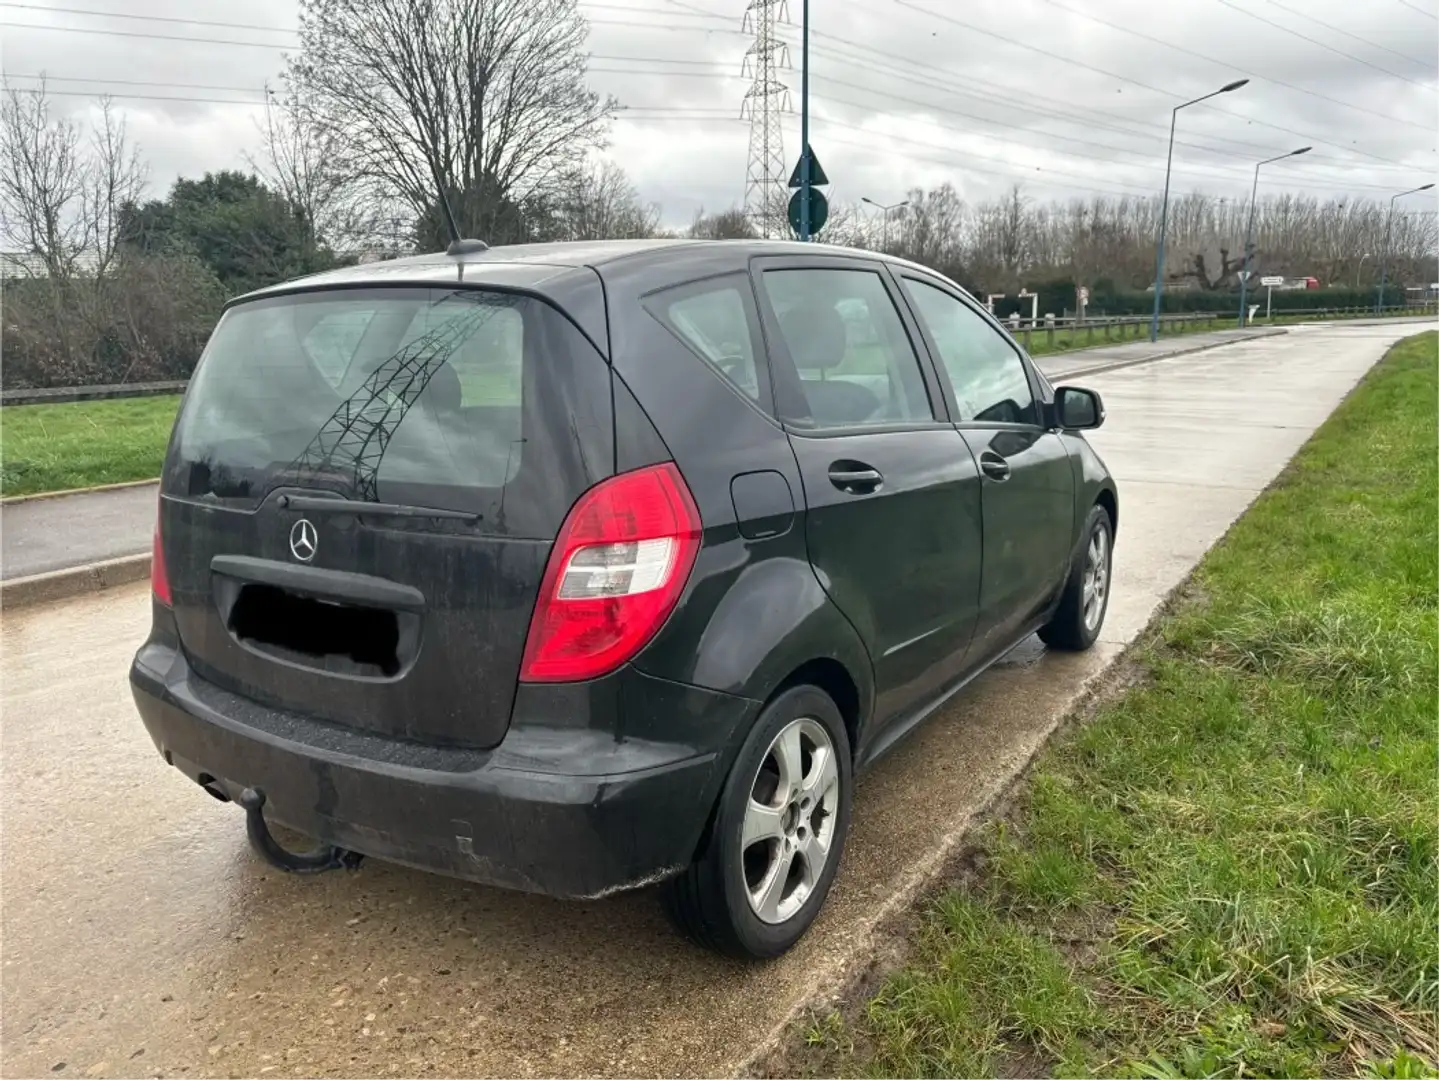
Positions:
(361, 495)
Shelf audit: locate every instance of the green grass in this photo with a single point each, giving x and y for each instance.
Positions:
(80, 444)
(1234, 868)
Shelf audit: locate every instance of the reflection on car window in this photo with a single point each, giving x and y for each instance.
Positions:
(713, 321)
(853, 357)
(360, 388)
(986, 373)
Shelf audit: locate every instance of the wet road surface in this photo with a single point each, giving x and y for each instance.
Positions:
(141, 938)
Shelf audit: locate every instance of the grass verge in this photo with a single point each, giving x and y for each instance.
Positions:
(83, 443)
(1234, 868)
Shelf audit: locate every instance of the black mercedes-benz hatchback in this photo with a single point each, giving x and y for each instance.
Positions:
(580, 567)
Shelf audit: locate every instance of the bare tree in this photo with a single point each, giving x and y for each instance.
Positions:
(601, 203)
(732, 224)
(489, 100)
(932, 228)
(297, 160)
(114, 178)
(42, 182)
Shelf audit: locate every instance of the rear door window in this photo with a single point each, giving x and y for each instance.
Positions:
(855, 364)
(462, 399)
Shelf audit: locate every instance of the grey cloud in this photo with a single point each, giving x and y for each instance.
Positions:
(878, 146)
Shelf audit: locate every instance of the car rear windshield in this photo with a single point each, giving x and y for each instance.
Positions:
(449, 398)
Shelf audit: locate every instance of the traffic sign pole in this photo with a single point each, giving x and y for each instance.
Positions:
(804, 168)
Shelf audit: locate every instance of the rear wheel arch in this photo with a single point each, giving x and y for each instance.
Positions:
(828, 674)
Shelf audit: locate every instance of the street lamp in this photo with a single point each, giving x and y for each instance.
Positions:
(1359, 269)
(1384, 260)
(1164, 208)
(884, 243)
(1249, 232)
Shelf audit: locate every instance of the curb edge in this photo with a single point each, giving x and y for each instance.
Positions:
(73, 581)
(36, 496)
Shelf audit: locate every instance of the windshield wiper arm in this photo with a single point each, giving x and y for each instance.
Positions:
(309, 504)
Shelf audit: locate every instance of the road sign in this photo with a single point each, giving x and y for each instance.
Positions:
(1271, 281)
(817, 178)
(818, 211)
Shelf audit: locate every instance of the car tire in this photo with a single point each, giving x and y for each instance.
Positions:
(784, 809)
(1080, 615)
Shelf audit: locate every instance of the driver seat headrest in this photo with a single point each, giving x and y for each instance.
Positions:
(815, 334)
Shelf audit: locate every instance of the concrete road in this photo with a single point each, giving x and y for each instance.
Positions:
(141, 937)
(38, 535)
(50, 534)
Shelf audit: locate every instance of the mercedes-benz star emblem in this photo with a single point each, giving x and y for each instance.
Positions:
(303, 540)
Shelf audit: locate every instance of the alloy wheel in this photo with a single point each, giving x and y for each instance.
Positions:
(1096, 577)
(789, 820)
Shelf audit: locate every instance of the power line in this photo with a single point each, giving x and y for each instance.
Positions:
(1085, 121)
(1315, 41)
(968, 166)
(1113, 75)
(950, 80)
(1055, 108)
(272, 29)
(1349, 34)
(45, 77)
(1416, 7)
(1230, 67)
(1233, 175)
(152, 97)
(634, 112)
(648, 25)
(146, 18)
(138, 34)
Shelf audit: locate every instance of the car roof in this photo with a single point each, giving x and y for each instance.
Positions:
(528, 265)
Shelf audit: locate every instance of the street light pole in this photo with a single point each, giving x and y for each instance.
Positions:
(1384, 258)
(1164, 207)
(884, 228)
(1249, 233)
(1360, 268)
(804, 163)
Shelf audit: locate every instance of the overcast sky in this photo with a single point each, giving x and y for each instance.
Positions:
(904, 93)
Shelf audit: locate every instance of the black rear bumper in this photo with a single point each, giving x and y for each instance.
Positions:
(561, 806)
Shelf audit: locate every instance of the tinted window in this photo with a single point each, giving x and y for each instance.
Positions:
(713, 319)
(988, 377)
(439, 397)
(853, 358)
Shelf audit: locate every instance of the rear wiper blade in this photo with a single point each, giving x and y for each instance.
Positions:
(309, 504)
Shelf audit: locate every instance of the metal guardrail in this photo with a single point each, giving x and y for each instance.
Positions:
(1097, 329)
(55, 394)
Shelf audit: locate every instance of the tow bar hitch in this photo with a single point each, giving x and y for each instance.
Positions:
(324, 857)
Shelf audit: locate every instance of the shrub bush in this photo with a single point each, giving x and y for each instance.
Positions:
(146, 320)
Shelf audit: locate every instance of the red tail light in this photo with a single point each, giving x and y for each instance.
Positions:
(159, 578)
(616, 571)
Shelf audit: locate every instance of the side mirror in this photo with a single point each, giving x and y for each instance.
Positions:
(1076, 409)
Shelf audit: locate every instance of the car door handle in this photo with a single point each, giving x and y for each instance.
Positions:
(855, 477)
(994, 466)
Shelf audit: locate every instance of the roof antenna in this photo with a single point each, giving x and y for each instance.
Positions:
(457, 246)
